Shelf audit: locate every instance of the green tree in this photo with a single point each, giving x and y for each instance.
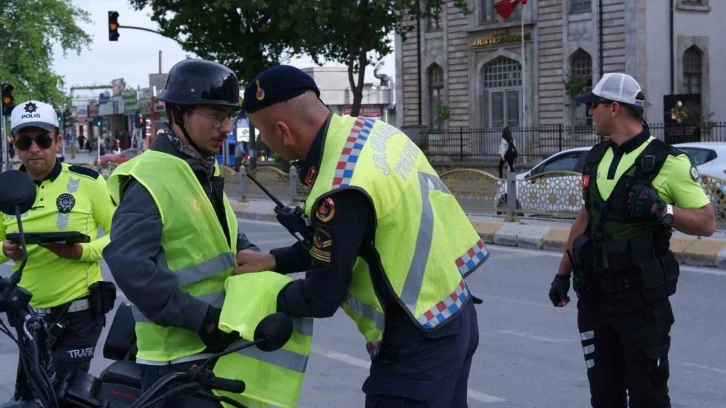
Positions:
(358, 32)
(30, 29)
(246, 36)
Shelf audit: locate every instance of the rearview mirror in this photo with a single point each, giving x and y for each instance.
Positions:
(275, 330)
(16, 190)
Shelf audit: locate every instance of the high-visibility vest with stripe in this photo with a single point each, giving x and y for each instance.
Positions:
(271, 378)
(426, 243)
(194, 243)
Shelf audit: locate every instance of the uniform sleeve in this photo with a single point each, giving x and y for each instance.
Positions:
(338, 237)
(291, 259)
(138, 264)
(244, 243)
(676, 185)
(103, 209)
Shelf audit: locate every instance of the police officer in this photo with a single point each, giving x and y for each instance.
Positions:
(65, 279)
(175, 235)
(391, 244)
(636, 190)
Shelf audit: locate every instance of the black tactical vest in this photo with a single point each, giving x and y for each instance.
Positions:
(619, 241)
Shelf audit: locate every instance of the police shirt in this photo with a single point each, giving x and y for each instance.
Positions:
(676, 183)
(70, 198)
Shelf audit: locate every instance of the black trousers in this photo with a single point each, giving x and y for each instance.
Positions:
(625, 340)
(501, 166)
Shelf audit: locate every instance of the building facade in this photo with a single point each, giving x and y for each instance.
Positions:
(475, 71)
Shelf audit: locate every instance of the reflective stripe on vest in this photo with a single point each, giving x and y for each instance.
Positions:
(466, 263)
(281, 358)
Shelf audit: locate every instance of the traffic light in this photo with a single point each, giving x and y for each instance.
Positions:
(60, 116)
(67, 117)
(113, 26)
(8, 99)
(98, 121)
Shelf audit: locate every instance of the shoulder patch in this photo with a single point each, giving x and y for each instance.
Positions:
(85, 171)
(694, 173)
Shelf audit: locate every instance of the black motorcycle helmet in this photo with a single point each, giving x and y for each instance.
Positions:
(200, 82)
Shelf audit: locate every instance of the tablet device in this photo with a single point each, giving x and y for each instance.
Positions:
(35, 238)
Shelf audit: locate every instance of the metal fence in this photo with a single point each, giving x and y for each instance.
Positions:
(454, 145)
(550, 194)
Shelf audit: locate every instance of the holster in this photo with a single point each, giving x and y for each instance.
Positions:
(660, 277)
(102, 297)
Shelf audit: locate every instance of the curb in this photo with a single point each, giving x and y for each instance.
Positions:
(689, 251)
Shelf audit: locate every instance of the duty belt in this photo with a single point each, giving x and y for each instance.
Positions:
(75, 306)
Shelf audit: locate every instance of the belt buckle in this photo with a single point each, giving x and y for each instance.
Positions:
(42, 312)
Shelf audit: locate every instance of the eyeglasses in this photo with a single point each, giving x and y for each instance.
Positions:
(217, 121)
(601, 102)
(24, 142)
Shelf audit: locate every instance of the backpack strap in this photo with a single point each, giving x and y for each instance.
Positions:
(589, 172)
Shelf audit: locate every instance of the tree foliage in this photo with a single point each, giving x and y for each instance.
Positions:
(358, 32)
(246, 36)
(250, 36)
(30, 29)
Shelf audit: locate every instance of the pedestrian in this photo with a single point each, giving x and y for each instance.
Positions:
(175, 235)
(636, 191)
(390, 243)
(239, 155)
(64, 279)
(507, 151)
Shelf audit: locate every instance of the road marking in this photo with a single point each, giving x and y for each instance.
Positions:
(348, 359)
(703, 367)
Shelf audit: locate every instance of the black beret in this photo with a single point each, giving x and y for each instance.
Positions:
(277, 84)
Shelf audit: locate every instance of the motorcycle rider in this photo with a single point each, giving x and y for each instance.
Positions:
(175, 235)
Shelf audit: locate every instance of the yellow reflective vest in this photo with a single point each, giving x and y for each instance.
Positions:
(426, 243)
(195, 245)
(271, 378)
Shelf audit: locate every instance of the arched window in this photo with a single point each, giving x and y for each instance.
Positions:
(581, 69)
(436, 90)
(692, 71)
(502, 88)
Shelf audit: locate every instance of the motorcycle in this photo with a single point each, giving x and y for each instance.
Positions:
(119, 384)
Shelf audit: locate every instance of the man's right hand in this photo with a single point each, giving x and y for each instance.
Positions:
(558, 290)
(12, 251)
(215, 339)
(251, 261)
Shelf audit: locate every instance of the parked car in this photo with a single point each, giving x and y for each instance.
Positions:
(116, 159)
(551, 193)
(708, 157)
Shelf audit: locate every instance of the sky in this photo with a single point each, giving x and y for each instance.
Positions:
(136, 54)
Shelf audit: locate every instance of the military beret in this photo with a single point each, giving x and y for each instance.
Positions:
(277, 84)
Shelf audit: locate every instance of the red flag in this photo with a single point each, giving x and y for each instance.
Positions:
(505, 8)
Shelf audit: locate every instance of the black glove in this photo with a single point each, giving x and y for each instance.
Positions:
(559, 288)
(641, 200)
(217, 340)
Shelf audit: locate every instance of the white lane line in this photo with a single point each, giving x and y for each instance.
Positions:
(348, 359)
(533, 336)
(703, 367)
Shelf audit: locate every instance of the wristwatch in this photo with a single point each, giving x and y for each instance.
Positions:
(667, 216)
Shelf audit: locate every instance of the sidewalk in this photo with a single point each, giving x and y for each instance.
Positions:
(540, 234)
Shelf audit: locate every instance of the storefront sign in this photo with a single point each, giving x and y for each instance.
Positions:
(499, 37)
(371, 111)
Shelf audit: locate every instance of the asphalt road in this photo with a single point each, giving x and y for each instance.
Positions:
(529, 354)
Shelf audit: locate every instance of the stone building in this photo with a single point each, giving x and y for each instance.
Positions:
(471, 71)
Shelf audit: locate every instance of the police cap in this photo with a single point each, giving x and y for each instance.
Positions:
(277, 84)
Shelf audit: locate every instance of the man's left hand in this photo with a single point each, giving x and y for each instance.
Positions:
(643, 201)
(66, 251)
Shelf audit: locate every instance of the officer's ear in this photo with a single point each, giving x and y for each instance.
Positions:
(284, 133)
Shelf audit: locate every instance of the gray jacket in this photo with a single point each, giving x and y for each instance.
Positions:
(137, 260)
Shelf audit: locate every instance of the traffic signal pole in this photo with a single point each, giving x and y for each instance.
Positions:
(5, 166)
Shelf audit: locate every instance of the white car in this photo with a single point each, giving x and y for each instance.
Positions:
(550, 193)
(708, 157)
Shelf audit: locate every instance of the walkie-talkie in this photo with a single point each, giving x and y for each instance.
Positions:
(292, 218)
